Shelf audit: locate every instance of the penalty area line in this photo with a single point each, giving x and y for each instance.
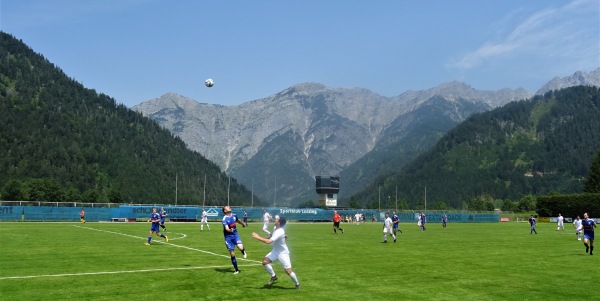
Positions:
(170, 244)
(120, 272)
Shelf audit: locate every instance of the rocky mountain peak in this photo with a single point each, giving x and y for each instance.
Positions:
(578, 78)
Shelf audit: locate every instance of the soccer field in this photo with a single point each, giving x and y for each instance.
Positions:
(109, 261)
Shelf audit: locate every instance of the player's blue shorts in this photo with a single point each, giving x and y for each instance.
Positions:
(589, 236)
(154, 227)
(231, 241)
(395, 226)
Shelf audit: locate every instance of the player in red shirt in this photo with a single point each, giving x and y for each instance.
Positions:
(336, 222)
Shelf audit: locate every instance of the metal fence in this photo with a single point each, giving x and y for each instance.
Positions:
(70, 211)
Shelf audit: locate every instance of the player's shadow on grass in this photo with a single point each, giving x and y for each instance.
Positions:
(268, 286)
(224, 270)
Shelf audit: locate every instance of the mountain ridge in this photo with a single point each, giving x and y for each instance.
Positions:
(333, 127)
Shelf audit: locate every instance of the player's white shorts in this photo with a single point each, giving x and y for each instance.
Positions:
(284, 259)
(386, 230)
(204, 220)
(266, 227)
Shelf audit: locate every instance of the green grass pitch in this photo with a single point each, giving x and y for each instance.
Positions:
(109, 261)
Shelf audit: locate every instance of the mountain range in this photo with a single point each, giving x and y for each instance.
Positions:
(277, 145)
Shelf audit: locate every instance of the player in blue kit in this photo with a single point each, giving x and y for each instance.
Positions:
(163, 214)
(396, 223)
(588, 233)
(532, 223)
(155, 220)
(444, 220)
(232, 238)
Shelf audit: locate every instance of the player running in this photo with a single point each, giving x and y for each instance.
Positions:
(155, 220)
(163, 214)
(578, 227)
(204, 220)
(266, 220)
(588, 233)
(560, 223)
(422, 221)
(336, 222)
(444, 220)
(396, 223)
(280, 252)
(232, 239)
(387, 227)
(532, 222)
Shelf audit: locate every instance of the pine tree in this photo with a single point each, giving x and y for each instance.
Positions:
(592, 184)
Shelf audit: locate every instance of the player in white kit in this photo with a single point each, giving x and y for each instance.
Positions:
(266, 220)
(280, 252)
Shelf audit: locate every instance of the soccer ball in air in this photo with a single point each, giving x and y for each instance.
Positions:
(209, 82)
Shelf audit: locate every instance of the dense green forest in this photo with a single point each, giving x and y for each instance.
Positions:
(63, 142)
(514, 153)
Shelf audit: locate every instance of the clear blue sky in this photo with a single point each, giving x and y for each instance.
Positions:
(137, 50)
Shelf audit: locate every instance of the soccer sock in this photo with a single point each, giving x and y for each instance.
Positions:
(384, 237)
(234, 262)
(294, 278)
(334, 231)
(149, 239)
(201, 227)
(591, 250)
(162, 235)
(269, 269)
(208, 227)
(243, 251)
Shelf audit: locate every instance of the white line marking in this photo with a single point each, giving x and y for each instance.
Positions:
(120, 272)
(183, 235)
(168, 243)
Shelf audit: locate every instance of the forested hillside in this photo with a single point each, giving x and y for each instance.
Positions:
(63, 142)
(530, 147)
(407, 137)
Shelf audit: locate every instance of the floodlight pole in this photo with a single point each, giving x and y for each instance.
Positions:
(396, 197)
(380, 198)
(425, 198)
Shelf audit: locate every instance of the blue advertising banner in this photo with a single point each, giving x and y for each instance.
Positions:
(182, 213)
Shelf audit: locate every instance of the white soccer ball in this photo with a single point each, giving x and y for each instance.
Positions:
(209, 82)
